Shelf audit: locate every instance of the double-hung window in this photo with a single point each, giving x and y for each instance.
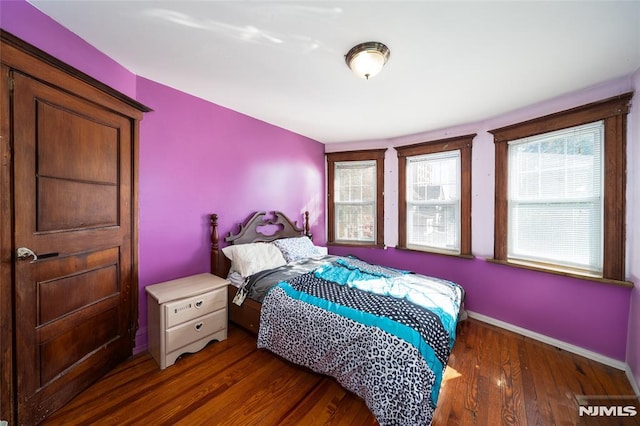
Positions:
(560, 191)
(555, 203)
(355, 197)
(435, 196)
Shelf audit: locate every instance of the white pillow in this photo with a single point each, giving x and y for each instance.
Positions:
(248, 259)
(297, 248)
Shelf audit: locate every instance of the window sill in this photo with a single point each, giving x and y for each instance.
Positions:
(439, 253)
(627, 284)
(354, 244)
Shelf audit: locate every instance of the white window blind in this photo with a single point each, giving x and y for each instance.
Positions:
(555, 205)
(433, 201)
(355, 201)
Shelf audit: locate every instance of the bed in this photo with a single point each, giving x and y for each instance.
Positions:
(382, 333)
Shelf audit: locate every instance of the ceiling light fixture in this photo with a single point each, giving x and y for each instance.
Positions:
(367, 59)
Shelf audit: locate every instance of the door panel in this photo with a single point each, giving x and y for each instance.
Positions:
(96, 204)
(62, 154)
(73, 171)
(73, 287)
(76, 342)
(63, 177)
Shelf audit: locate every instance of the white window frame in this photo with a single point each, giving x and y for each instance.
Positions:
(356, 235)
(551, 254)
(412, 162)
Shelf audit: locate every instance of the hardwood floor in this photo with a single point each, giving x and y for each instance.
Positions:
(494, 377)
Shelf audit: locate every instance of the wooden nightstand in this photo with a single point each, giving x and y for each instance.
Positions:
(184, 315)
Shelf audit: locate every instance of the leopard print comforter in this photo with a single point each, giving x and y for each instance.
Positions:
(389, 351)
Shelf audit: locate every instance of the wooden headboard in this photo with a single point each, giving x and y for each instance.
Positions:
(249, 233)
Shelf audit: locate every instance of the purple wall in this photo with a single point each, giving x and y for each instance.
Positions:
(588, 314)
(25, 21)
(583, 313)
(197, 158)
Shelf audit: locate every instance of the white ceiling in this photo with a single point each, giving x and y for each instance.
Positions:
(283, 62)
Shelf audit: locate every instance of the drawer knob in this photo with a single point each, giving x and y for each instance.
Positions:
(199, 304)
(199, 326)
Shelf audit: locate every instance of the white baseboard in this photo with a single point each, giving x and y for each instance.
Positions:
(620, 365)
(632, 380)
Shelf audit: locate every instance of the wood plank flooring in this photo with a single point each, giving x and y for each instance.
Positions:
(494, 377)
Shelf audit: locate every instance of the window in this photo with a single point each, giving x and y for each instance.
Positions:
(355, 197)
(435, 196)
(555, 198)
(560, 191)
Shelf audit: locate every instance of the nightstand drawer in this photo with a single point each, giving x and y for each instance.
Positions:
(187, 309)
(194, 330)
(184, 315)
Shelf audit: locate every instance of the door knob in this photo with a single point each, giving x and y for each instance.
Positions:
(25, 253)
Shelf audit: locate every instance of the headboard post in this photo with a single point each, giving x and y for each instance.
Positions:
(215, 253)
(217, 265)
(306, 225)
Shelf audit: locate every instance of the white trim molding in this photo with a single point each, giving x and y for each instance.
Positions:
(620, 365)
(632, 380)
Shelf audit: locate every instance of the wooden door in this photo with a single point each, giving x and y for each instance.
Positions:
(72, 171)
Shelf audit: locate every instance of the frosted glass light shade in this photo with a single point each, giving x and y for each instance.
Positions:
(367, 59)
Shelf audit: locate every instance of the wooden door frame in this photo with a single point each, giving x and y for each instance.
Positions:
(18, 55)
